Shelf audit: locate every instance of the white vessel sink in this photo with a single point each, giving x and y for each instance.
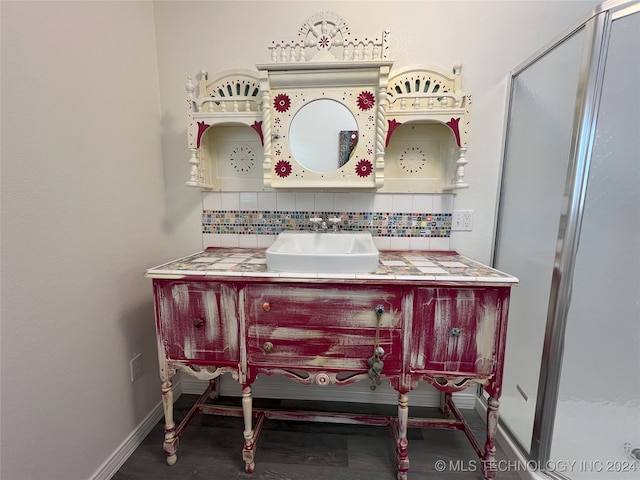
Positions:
(323, 252)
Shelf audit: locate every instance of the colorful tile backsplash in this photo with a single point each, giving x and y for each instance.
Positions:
(380, 224)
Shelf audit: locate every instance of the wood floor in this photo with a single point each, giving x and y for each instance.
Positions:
(211, 447)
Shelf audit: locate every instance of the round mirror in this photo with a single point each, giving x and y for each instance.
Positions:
(323, 135)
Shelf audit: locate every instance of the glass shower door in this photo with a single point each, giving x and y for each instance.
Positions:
(597, 423)
(538, 144)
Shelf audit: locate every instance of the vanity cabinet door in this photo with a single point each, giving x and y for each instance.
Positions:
(196, 321)
(322, 327)
(456, 330)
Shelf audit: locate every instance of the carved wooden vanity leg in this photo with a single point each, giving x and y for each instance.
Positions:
(489, 460)
(444, 405)
(401, 448)
(248, 452)
(215, 392)
(170, 444)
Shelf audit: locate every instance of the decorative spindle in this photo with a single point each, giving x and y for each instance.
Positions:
(381, 136)
(170, 441)
(489, 459)
(460, 164)
(401, 447)
(266, 136)
(193, 170)
(248, 452)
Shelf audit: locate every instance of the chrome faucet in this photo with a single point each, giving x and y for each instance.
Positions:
(320, 224)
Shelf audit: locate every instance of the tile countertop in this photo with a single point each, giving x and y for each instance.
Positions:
(394, 266)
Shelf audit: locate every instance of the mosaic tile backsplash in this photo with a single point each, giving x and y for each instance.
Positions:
(380, 224)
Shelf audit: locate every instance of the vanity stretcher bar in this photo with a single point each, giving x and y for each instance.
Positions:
(437, 317)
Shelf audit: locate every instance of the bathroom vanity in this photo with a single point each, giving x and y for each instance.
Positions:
(328, 112)
(436, 317)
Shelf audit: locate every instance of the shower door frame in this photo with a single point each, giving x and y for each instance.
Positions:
(597, 28)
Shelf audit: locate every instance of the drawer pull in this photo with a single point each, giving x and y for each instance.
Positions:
(267, 347)
(455, 332)
(379, 309)
(198, 322)
(266, 307)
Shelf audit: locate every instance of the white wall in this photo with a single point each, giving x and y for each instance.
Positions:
(83, 215)
(488, 38)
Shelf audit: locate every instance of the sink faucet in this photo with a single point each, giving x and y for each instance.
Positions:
(320, 224)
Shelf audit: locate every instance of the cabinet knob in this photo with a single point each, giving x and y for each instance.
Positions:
(198, 322)
(455, 332)
(267, 347)
(266, 307)
(379, 309)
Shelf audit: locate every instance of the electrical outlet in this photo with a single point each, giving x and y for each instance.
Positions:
(462, 220)
(136, 366)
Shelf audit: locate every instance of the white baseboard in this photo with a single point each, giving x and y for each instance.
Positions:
(283, 388)
(135, 438)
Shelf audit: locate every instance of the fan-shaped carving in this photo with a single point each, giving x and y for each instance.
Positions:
(425, 87)
(233, 90)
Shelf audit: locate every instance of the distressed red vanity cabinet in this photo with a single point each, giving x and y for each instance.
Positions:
(198, 322)
(332, 327)
(423, 316)
(456, 330)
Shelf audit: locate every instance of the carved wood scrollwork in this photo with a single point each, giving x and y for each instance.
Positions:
(206, 373)
(320, 378)
(449, 384)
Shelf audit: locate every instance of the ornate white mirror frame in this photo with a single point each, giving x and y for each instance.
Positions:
(412, 124)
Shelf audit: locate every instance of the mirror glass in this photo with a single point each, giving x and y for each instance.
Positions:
(323, 135)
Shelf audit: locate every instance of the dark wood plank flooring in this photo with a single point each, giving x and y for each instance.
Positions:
(211, 448)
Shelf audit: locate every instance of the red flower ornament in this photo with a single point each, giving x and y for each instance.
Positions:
(366, 100)
(283, 169)
(282, 102)
(364, 168)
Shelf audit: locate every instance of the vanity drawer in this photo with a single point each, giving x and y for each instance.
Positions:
(456, 330)
(196, 321)
(322, 327)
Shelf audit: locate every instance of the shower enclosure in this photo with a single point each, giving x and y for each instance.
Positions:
(569, 228)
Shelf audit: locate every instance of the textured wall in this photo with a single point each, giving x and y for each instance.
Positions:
(82, 218)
